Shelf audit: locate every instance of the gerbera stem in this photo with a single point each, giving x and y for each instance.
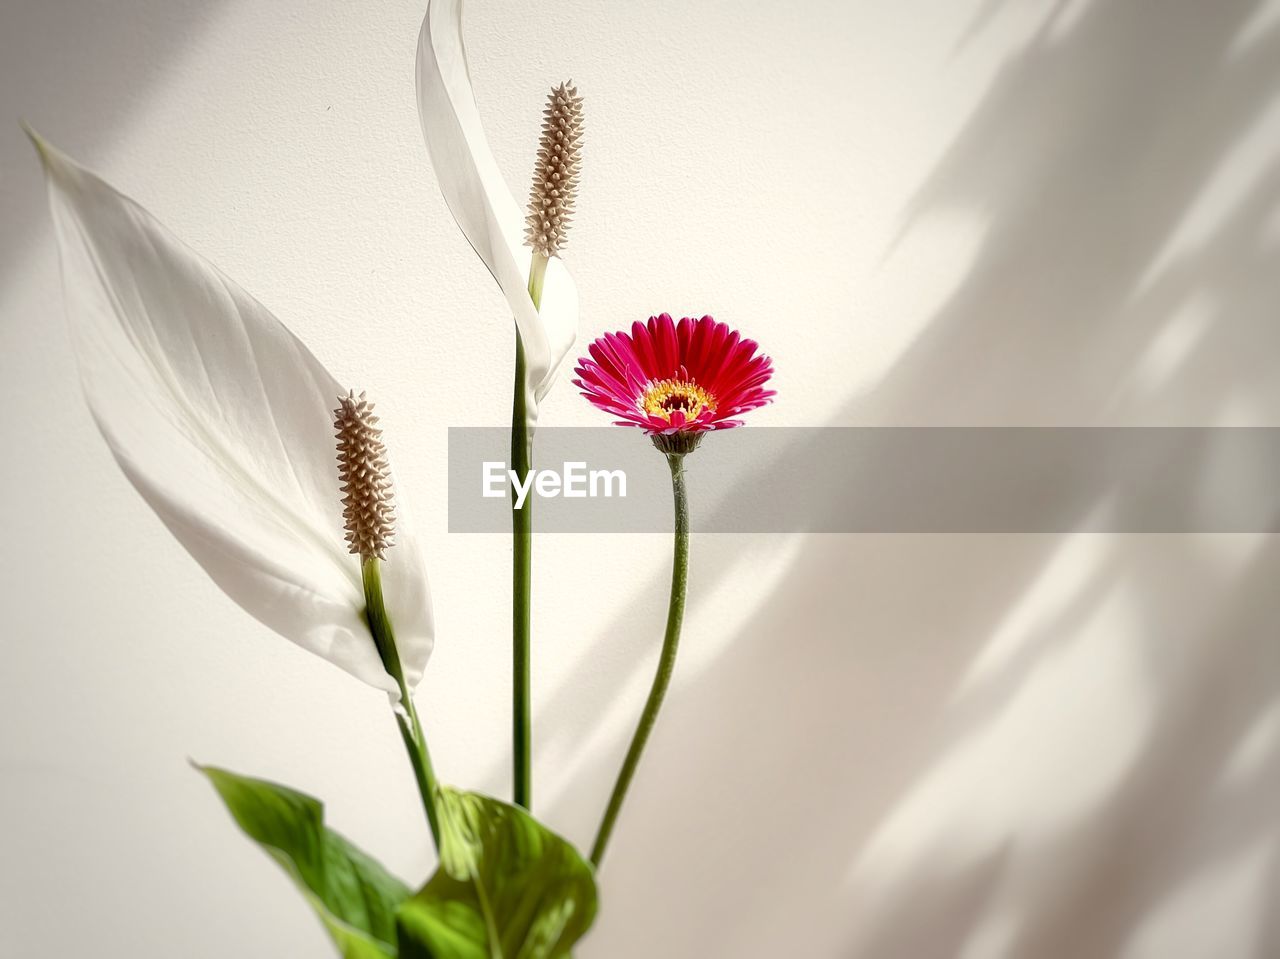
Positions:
(415, 741)
(522, 568)
(666, 661)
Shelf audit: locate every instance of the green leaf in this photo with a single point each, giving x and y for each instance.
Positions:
(507, 888)
(354, 896)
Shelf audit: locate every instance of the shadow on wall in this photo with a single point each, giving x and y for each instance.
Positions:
(108, 61)
(774, 771)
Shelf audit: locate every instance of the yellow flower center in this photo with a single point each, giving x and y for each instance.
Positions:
(664, 397)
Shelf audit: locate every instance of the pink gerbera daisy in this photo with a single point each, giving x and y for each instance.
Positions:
(675, 380)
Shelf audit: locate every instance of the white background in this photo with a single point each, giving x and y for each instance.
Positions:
(944, 212)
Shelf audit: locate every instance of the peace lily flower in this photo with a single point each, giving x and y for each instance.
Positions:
(675, 381)
(485, 209)
(220, 418)
(535, 283)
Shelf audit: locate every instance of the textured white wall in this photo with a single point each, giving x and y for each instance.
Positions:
(930, 212)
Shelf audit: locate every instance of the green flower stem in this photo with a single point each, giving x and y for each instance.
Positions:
(666, 662)
(522, 569)
(415, 741)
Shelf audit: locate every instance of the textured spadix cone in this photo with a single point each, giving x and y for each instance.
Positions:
(368, 507)
(556, 173)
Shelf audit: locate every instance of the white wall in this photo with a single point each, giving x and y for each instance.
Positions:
(930, 212)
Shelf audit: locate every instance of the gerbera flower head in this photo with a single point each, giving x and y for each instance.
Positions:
(675, 381)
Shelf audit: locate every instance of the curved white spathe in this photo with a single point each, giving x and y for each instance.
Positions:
(220, 417)
(483, 206)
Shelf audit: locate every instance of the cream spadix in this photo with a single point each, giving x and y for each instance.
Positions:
(368, 508)
(556, 173)
(483, 205)
(220, 417)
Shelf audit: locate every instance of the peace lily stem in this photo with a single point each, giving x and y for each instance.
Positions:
(522, 569)
(415, 741)
(521, 585)
(550, 212)
(666, 661)
(369, 518)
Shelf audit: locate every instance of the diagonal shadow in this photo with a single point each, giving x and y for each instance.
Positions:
(773, 768)
(1178, 811)
(76, 69)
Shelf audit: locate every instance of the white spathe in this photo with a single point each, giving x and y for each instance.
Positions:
(220, 417)
(483, 206)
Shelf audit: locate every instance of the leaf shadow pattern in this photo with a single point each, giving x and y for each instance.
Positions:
(776, 769)
(107, 62)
